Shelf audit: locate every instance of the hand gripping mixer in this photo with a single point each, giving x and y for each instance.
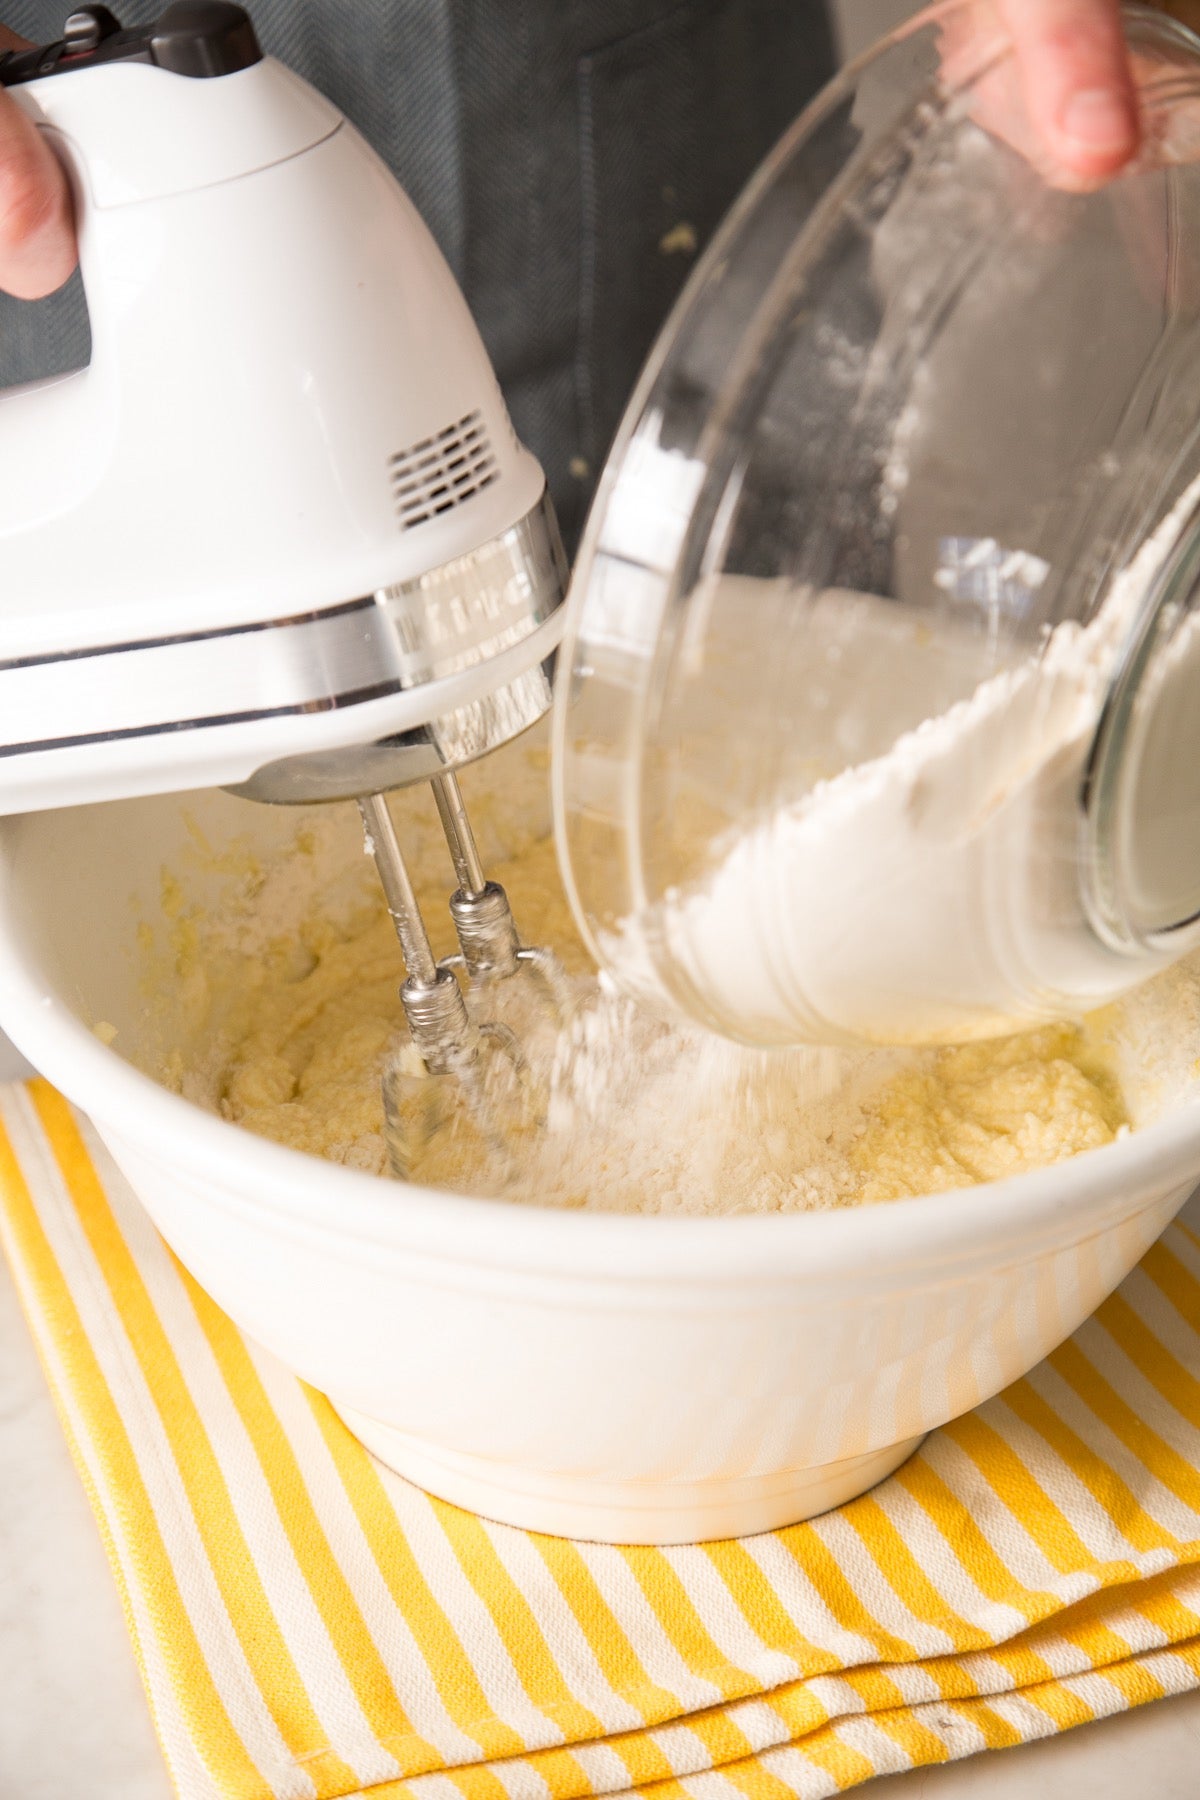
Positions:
(279, 535)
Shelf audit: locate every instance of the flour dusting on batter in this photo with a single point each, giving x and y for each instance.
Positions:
(301, 981)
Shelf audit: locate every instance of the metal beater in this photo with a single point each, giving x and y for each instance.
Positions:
(452, 1043)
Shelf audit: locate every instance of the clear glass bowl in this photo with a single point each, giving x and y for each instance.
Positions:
(878, 714)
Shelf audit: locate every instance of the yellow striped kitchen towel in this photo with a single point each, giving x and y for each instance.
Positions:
(309, 1626)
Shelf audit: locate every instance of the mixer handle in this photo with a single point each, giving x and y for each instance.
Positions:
(160, 110)
(196, 38)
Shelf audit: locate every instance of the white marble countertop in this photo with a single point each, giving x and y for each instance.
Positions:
(74, 1723)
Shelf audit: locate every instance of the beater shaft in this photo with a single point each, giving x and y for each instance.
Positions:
(433, 1003)
(487, 933)
(461, 839)
(419, 960)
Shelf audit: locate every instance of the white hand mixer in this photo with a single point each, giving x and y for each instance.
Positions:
(279, 535)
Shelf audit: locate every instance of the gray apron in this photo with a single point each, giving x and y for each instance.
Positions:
(570, 156)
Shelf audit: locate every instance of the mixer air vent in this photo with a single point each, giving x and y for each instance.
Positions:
(442, 471)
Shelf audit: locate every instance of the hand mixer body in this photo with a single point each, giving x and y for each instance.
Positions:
(280, 531)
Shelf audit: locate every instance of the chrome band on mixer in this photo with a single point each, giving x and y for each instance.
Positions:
(468, 610)
(441, 626)
(344, 655)
(314, 661)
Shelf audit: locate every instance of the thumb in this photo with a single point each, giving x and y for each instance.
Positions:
(37, 229)
(1078, 87)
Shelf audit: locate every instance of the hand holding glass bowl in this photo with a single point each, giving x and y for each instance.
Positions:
(1070, 85)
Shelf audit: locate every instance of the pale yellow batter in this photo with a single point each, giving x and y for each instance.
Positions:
(641, 1115)
(987, 1110)
(308, 1048)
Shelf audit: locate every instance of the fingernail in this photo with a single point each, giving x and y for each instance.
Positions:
(1097, 119)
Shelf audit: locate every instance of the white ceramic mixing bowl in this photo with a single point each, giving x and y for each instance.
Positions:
(636, 1378)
